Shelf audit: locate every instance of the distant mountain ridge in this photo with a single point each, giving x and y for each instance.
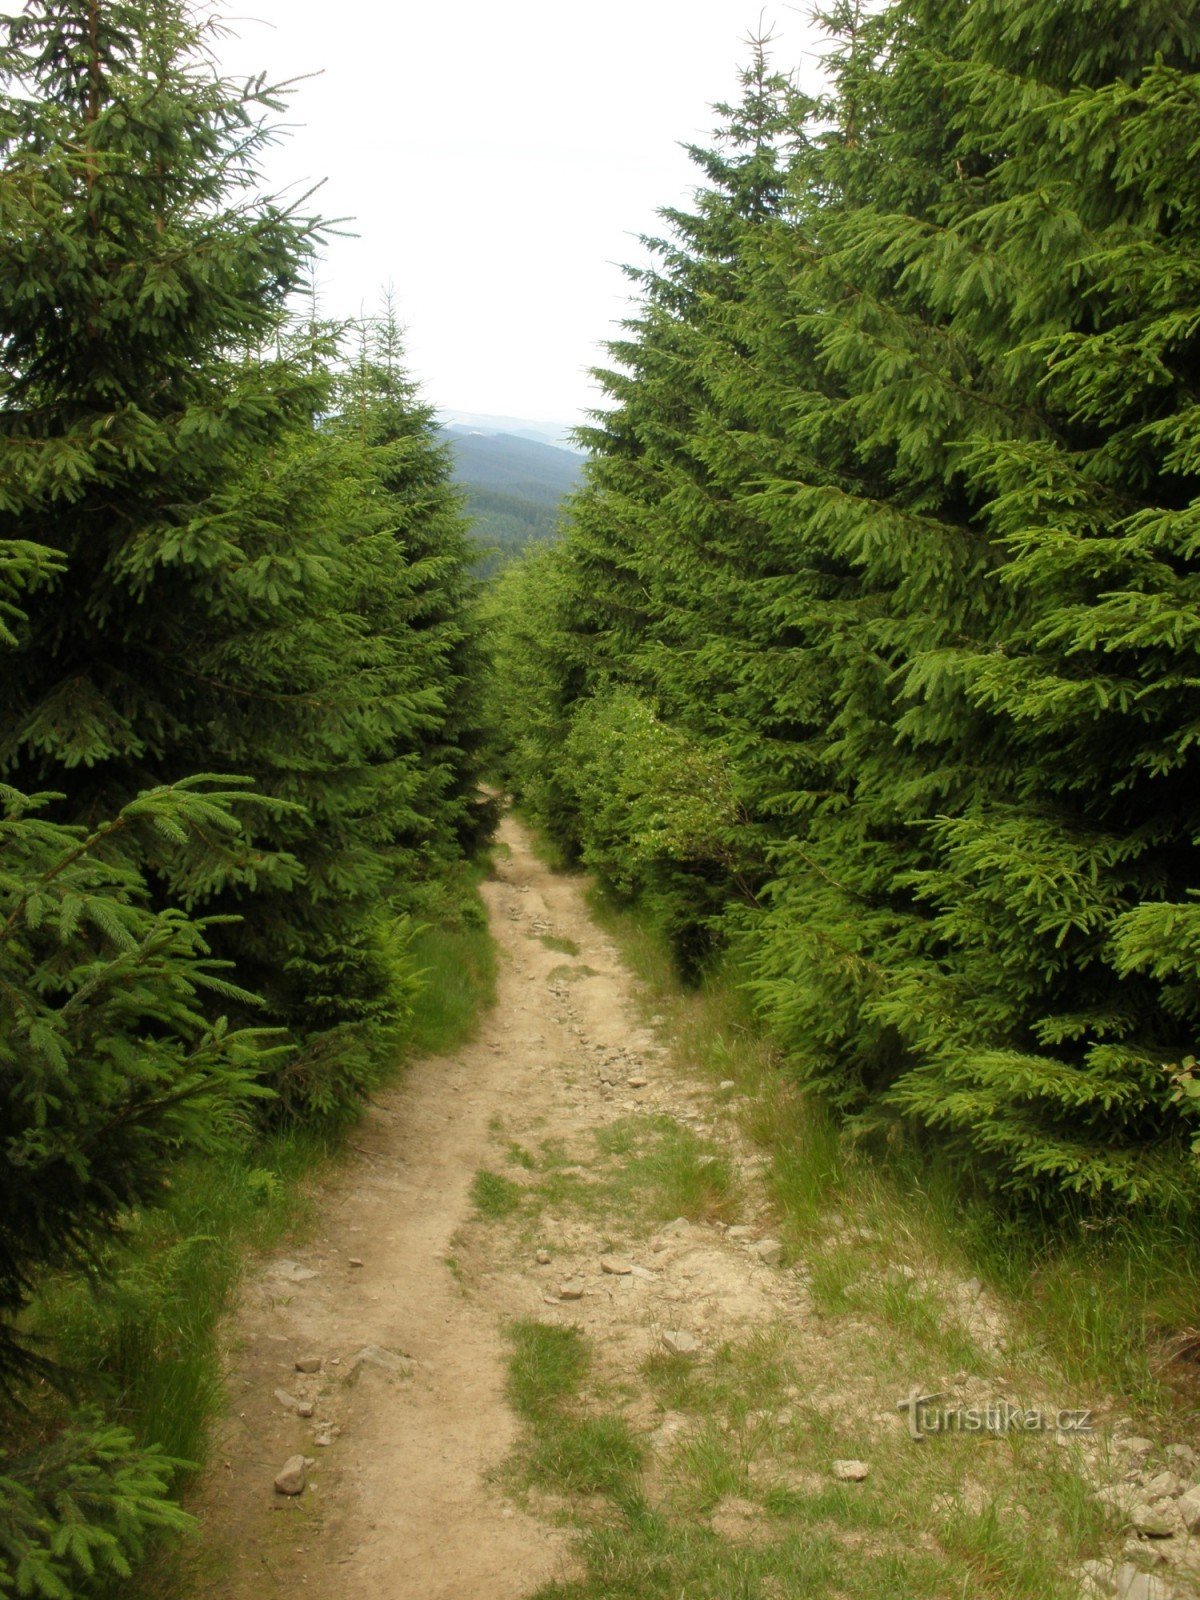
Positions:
(514, 484)
(552, 433)
(543, 472)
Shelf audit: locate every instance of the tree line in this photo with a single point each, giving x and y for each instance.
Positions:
(239, 729)
(868, 662)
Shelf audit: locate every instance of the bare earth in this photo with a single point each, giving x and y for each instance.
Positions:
(403, 1499)
(399, 1504)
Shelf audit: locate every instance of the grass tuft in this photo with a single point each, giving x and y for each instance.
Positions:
(458, 983)
(586, 1455)
(494, 1195)
(567, 1449)
(547, 1366)
(666, 1170)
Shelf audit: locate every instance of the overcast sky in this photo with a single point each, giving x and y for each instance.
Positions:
(498, 158)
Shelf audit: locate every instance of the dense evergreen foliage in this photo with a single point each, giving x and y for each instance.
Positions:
(228, 546)
(868, 655)
(248, 585)
(871, 648)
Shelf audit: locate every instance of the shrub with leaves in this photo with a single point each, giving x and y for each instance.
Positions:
(658, 817)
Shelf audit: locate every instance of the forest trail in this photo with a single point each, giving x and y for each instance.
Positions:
(556, 1152)
(399, 1504)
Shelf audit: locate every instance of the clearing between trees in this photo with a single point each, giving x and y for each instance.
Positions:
(546, 1339)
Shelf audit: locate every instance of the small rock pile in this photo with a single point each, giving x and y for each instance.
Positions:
(1157, 1500)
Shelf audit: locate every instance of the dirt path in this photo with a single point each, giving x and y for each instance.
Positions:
(399, 1502)
(563, 1174)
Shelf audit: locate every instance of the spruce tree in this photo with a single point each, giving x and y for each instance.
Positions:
(134, 274)
(223, 554)
(111, 1067)
(110, 1063)
(1064, 886)
(661, 535)
(379, 406)
(884, 567)
(971, 928)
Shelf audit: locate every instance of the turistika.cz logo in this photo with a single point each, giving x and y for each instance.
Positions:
(926, 1414)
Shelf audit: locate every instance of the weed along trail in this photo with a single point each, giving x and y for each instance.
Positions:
(575, 1324)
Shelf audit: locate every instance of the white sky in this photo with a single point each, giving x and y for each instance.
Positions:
(497, 157)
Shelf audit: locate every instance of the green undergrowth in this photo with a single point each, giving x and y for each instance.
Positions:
(142, 1345)
(142, 1340)
(711, 1531)
(665, 1170)
(456, 958)
(494, 1195)
(1108, 1302)
(570, 1446)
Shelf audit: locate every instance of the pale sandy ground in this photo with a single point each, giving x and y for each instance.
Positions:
(399, 1504)
(402, 1500)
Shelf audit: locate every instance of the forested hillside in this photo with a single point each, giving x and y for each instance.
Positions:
(238, 725)
(514, 489)
(869, 659)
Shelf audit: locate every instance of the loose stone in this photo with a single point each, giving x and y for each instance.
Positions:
(1188, 1506)
(1164, 1486)
(292, 1476)
(899, 1274)
(678, 1343)
(1130, 1584)
(291, 1270)
(373, 1355)
(1152, 1522)
(1134, 1446)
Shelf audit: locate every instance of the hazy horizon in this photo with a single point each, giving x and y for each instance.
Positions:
(497, 175)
